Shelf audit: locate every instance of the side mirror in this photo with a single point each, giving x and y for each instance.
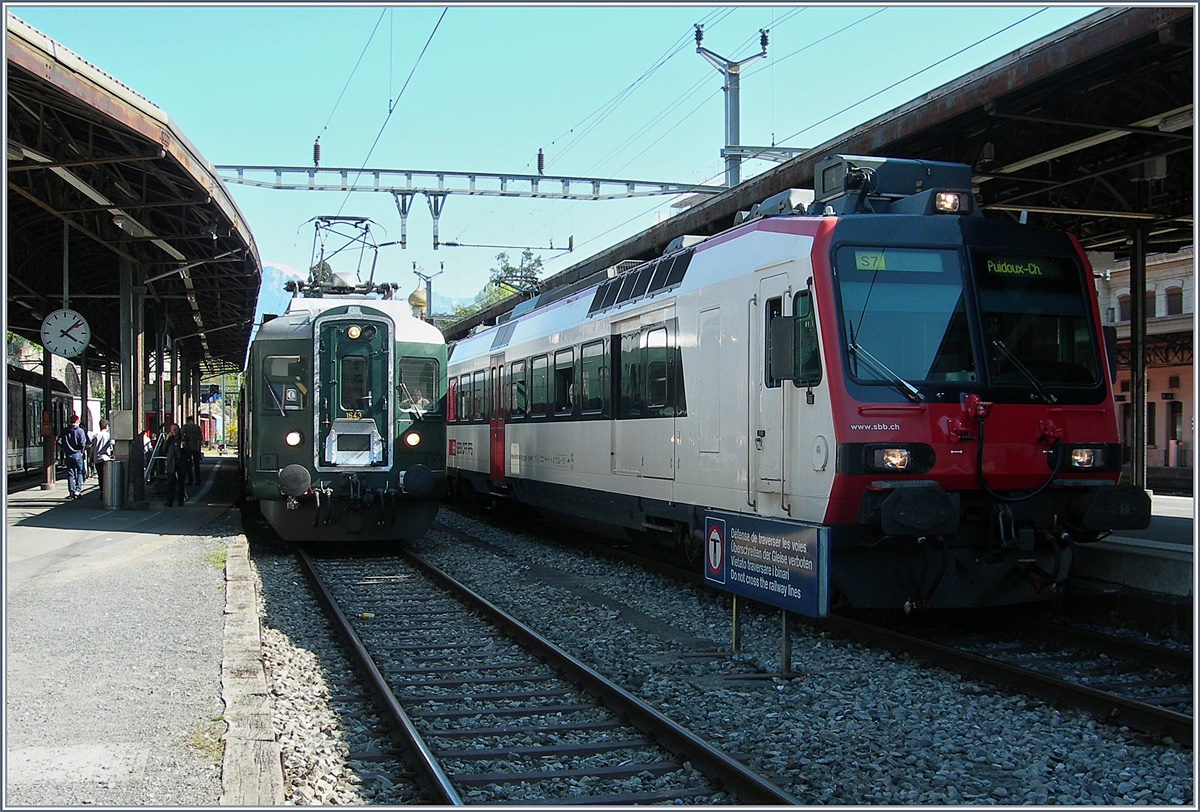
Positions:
(1110, 349)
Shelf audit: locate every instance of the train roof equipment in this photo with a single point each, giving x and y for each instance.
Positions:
(354, 234)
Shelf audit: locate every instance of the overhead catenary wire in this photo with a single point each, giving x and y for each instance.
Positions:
(392, 107)
(597, 116)
(911, 76)
(350, 78)
(941, 61)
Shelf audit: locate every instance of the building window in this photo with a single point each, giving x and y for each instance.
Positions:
(1175, 420)
(1174, 301)
(1150, 305)
(1151, 428)
(1124, 308)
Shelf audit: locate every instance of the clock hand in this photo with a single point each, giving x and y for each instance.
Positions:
(70, 329)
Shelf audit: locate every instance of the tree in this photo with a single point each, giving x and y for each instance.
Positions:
(504, 281)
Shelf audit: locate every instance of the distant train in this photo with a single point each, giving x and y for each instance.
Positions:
(342, 427)
(926, 387)
(27, 410)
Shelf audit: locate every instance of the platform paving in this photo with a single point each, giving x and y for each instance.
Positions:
(133, 664)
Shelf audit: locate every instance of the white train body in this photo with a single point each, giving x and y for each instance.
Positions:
(668, 392)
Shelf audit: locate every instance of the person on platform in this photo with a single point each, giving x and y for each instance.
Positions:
(176, 462)
(192, 440)
(102, 452)
(74, 442)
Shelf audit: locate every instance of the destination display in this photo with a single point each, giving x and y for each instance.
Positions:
(783, 564)
(1021, 267)
(898, 259)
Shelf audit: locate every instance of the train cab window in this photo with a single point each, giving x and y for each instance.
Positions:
(904, 315)
(538, 386)
(517, 394)
(808, 350)
(286, 380)
(774, 310)
(418, 384)
(564, 381)
(593, 384)
(1037, 308)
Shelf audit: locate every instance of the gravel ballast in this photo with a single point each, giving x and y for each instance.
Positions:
(855, 726)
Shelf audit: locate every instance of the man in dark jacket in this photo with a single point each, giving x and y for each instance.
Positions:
(73, 442)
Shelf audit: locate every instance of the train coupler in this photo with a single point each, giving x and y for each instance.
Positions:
(387, 497)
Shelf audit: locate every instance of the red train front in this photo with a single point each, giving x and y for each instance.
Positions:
(971, 393)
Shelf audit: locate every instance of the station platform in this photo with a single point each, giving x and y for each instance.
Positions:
(134, 672)
(1157, 561)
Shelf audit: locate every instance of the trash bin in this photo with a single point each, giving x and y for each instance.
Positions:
(114, 485)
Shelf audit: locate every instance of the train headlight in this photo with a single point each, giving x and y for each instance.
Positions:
(947, 202)
(353, 331)
(1087, 458)
(412, 439)
(891, 459)
(292, 438)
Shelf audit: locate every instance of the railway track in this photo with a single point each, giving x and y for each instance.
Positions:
(1145, 687)
(491, 712)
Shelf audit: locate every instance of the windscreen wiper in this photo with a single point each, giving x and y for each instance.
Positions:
(1029, 376)
(907, 389)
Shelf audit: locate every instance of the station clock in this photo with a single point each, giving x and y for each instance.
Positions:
(65, 333)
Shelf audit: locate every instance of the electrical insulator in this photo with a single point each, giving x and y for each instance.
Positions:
(541, 163)
(317, 152)
(699, 34)
(763, 38)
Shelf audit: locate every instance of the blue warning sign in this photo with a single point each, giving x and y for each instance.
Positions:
(780, 563)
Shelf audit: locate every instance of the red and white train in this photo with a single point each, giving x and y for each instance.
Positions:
(927, 385)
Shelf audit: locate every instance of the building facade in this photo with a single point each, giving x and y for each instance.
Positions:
(1170, 385)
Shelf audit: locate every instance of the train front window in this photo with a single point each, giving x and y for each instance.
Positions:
(904, 315)
(1035, 315)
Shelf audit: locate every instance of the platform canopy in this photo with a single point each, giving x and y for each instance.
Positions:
(97, 177)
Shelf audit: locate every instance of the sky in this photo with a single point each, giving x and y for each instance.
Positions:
(603, 90)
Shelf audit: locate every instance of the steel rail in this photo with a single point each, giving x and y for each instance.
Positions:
(1131, 712)
(749, 787)
(429, 771)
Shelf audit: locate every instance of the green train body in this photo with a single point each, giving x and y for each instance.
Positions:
(344, 433)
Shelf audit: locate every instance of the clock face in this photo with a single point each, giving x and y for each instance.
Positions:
(65, 333)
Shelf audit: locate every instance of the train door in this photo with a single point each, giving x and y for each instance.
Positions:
(355, 377)
(497, 452)
(765, 410)
(648, 395)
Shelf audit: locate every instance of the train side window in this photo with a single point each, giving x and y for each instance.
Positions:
(808, 349)
(539, 385)
(464, 397)
(287, 382)
(593, 383)
(657, 394)
(452, 400)
(517, 394)
(564, 381)
(478, 396)
(419, 384)
(632, 401)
